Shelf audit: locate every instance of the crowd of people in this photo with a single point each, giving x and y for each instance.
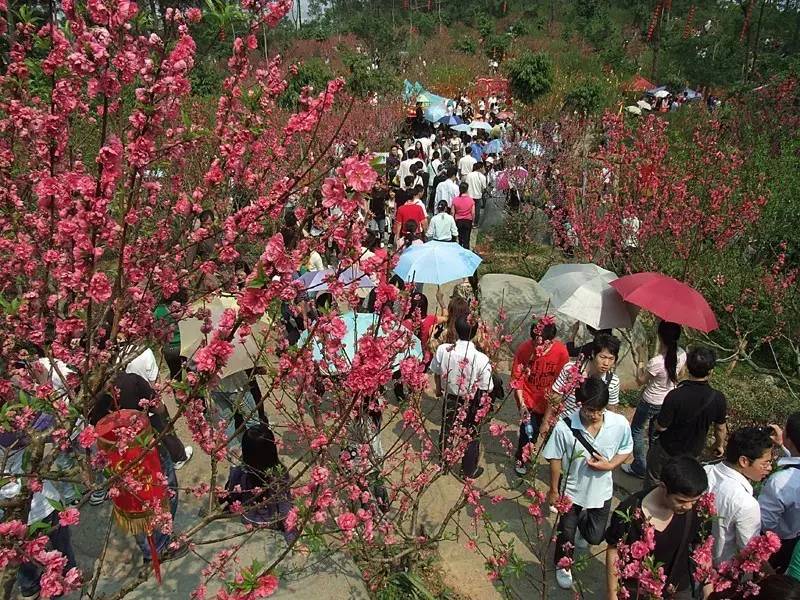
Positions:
(434, 187)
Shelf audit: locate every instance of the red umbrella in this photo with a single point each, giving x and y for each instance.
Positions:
(667, 298)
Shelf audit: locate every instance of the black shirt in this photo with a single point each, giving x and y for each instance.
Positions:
(687, 413)
(132, 389)
(671, 551)
(377, 203)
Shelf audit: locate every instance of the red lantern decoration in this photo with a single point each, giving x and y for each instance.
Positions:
(654, 19)
(687, 30)
(123, 440)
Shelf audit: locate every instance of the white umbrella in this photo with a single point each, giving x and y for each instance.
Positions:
(480, 125)
(661, 94)
(644, 105)
(245, 351)
(634, 110)
(583, 292)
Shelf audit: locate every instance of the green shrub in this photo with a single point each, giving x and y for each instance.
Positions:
(586, 98)
(530, 76)
(313, 72)
(496, 45)
(465, 45)
(363, 79)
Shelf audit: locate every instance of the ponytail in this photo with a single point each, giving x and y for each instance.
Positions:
(669, 333)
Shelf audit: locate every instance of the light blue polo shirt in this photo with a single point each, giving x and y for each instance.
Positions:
(588, 487)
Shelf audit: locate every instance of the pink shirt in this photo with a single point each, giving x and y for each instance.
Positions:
(463, 208)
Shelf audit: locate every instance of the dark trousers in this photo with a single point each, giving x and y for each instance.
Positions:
(172, 356)
(536, 422)
(450, 407)
(464, 227)
(59, 539)
(781, 559)
(591, 522)
(656, 458)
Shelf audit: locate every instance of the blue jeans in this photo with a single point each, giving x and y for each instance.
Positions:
(29, 573)
(235, 408)
(645, 415)
(162, 540)
(536, 422)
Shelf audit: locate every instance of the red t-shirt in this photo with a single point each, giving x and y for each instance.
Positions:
(410, 211)
(535, 377)
(463, 208)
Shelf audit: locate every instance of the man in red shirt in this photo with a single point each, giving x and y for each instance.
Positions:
(408, 212)
(532, 374)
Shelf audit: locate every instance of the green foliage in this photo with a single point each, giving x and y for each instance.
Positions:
(586, 98)
(404, 586)
(497, 45)
(313, 72)
(530, 76)
(466, 45)
(427, 24)
(364, 79)
(206, 78)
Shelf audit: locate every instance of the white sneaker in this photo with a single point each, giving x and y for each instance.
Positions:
(581, 543)
(564, 578)
(180, 464)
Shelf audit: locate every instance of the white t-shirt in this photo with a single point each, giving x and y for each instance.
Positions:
(463, 369)
(447, 190)
(660, 384)
(465, 165)
(145, 366)
(477, 184)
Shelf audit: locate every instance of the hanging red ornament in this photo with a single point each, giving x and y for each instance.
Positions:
(654, 19)
(747, 16)
(687, 30)
(140, 488)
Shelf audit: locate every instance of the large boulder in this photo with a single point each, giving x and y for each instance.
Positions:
(522, 298)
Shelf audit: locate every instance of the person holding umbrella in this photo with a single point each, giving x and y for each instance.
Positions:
(659, 377)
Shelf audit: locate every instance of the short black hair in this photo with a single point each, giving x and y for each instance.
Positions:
(685, 476)
(549, 331)
(408, 180)
(463, 187)
(418, 189)
(592, 393)
(464, 330)
(750, 442)
(478, 165)
(259, 451)
(412, 153)
(793, 428)
(605, 341)
(700, 360)
(452, 171)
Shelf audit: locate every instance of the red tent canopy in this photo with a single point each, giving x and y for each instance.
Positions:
(639, 84)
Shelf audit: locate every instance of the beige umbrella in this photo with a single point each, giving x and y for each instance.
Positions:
(245, 351)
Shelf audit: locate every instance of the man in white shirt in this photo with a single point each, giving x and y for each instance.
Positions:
(466, 163)
(442, 227)
(476, 182)
(462, 375)
(405, 167)
(448, 189)
(780, 497)
(583, 449)
(748, 459)
(42, 510)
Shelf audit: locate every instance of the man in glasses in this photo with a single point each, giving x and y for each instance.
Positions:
(584, 448)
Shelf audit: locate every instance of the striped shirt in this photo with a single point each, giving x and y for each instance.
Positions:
(610, 379)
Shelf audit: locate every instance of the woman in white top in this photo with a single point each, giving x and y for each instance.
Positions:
(659, 377)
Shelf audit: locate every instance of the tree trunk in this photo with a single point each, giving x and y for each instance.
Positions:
(757, 40)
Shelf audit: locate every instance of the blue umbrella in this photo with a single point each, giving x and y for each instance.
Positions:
(436, 262)
(480, 125)
(463, 127)
(435, 112)
(493, 147)
(358, 325)
(451, 120)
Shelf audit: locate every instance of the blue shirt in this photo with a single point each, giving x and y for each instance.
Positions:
(588, 487)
